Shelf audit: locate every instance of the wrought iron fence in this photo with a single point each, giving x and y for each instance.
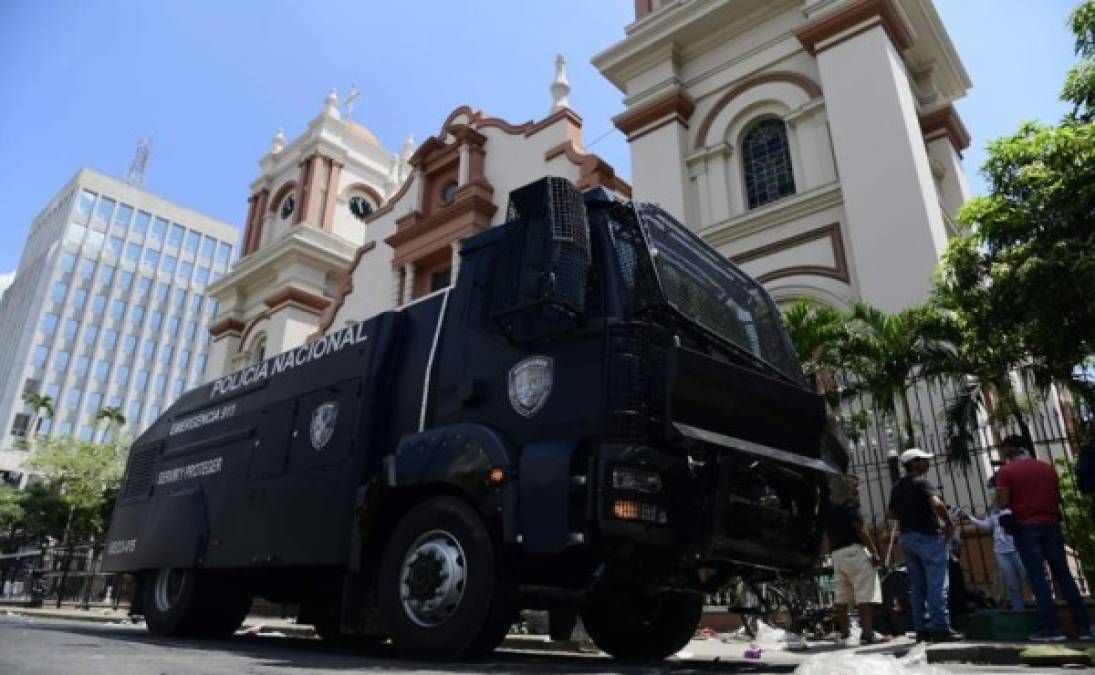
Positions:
(66, 575)
(1052, 420)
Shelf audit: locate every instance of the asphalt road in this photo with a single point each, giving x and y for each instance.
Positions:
(54, 647)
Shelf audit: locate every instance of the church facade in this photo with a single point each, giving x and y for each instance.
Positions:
(340, 229)
(814, 142)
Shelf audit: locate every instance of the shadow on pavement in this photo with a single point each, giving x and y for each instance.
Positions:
(302, 653)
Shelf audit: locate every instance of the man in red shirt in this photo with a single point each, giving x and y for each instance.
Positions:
(1030, 489)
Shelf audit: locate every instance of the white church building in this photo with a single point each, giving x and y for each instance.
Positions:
(814, 142)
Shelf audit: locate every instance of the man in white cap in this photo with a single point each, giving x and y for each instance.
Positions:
(925, 526)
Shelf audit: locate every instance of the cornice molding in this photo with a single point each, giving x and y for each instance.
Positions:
(771, 215)
(831, 232)
(675, 104)
(946, 122)
(813, 34)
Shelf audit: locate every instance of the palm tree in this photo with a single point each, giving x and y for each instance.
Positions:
(887, 353)
(817, 333)
(112, 415)
(38, 403)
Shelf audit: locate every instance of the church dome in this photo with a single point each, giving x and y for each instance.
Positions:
(364, 133)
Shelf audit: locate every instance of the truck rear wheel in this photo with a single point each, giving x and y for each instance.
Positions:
(186, 602)
(443, 592)
(632, 625)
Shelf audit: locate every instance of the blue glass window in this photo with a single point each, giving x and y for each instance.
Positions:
(185, 270)
(140, 223)
(117, 309)
(60, 288)
(209, 245)
(136, 314)
(60, 361)
(129, 344)
(106, 274)
(115, 246)
(125, 280)
(73, 397)
(168, 266)
(148, 350)
(151, 258)
(159, 228)
(71, 327)
(106, 208)
(78, 298)
(91, 332)
(133, 252)
(122, 216)
(87, 268)
(110, 338)
(192, 239)
(166, 353)
(84, 206)
(68, 262)
(41, 353)
(121, 375)
(102, 369)
(176, 236)
(142, 379)
(98, 305)
(49, 323)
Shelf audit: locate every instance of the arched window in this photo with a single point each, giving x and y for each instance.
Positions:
(258, 352)
(766, 163)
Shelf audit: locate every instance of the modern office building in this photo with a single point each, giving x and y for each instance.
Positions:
(108, 309)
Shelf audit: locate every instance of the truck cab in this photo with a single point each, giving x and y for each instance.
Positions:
(602, 413)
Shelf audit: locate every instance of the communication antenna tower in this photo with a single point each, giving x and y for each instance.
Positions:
(136, 176)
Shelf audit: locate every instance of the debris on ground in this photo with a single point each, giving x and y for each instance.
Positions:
(1054, 655)
(850, 663)
(704, 633)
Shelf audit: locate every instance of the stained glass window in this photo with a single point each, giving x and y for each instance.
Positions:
(766, 159)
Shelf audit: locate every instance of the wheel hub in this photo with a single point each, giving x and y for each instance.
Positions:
(167, 589)
(433, 578)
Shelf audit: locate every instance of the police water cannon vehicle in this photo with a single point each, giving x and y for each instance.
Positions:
(602, 413)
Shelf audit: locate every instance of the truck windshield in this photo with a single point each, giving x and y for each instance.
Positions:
(664, 264)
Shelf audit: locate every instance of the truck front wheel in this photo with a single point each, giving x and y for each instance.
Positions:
(443, 592)
(186, 602)
(633, 625)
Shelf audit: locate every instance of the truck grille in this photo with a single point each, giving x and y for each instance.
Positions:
(635, 382)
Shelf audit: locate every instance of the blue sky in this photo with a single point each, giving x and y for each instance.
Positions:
(211, 82)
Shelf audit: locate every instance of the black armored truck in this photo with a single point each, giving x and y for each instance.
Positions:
(602, 413)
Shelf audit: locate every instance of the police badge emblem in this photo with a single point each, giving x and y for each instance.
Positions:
(530, 384)
(324, 418)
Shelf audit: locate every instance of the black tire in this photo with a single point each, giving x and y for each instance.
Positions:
(186, 602)
(632, 625)
(473, 612)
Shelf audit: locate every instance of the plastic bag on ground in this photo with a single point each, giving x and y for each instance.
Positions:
(766, 633)
(848, 663)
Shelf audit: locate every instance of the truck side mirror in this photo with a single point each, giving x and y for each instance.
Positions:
(542, 268)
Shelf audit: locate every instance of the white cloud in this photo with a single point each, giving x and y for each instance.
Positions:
(5, 280)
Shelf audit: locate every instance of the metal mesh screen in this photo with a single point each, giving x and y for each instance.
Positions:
(549, 260)
(707, 288)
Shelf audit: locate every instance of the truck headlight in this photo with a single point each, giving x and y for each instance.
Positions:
(627, 509)
(634, 478)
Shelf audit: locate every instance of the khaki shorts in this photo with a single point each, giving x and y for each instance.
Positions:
(855, 578)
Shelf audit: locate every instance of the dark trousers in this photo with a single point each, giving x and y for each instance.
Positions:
(1041, 544)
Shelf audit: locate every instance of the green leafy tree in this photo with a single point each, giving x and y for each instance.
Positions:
(1078, 523)
(11, 515)
(1080, 81)
(84, 475)
(1025, 269)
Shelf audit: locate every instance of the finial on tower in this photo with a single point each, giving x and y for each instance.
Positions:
(350, 102)
(560, 88)
(391, 181)
(136, 176)
(278, 143)
(330, 105)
